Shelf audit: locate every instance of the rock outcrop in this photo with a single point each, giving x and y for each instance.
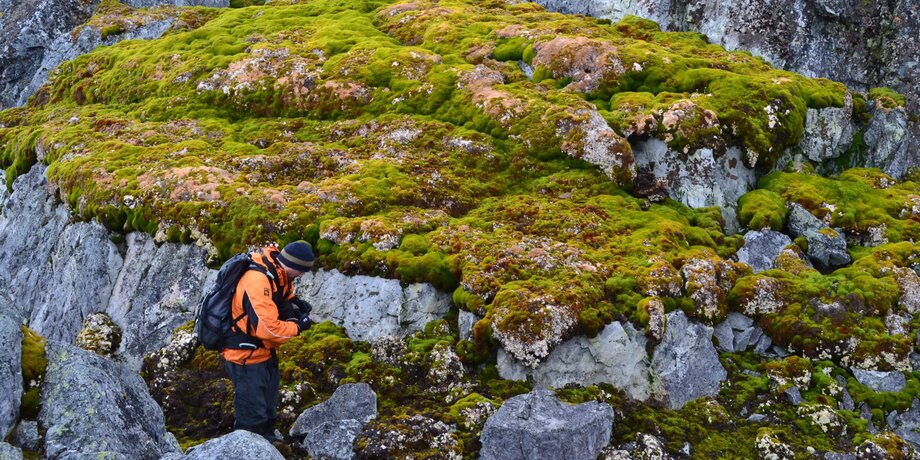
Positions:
(699, 178)
(537, 425)
(877, 40)
(10, 368)
(370, 307)
(827, 247)
(29, 30)
(94, 407)
(349, 402)
(76, 282)
(157, 291)
(761, 248)
(686, 363)
(30, 226)
(616, 356)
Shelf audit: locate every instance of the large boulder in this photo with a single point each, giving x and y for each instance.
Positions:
(33, 220)
(827, 247)
(761, 248)
(537, 425)
(685, 363)
(354, 401)
(699, 178)
(10, 368)
(240, 444)
(616, 356)
(370, 307)
(82, 268)
(92, 407)
(157, 290)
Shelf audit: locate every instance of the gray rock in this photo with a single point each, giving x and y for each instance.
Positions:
(794, 396)
(743, 339)
(866, 414)
(65, 47)
(238, 445)
(685, 364)
(826, 247)
(698, 179)
(370, 307)
(465, 323)
(91, 406)
(8, 452)
(907, 426)
(763, 344)
(887, 138)
(880, 381)
(82, 269)
(333, 440)
(157, 291)
(757, 417)
(355, 401)
(839, 456)
(27, 32)
(828, 132)
(739, 321)
(761, 248)
(26, 436)
(537, 424)
(4, 194)
(846, 401)
(725, 335)
(10, 368)
(616, 356)
(32, 222)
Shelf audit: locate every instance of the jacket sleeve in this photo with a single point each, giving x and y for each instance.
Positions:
(261, 311)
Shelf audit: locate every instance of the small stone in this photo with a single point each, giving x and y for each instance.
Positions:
(795, 396)
(26, 436)
(350, 401)
(880, 381)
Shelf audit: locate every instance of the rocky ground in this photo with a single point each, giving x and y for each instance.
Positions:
(700, 255)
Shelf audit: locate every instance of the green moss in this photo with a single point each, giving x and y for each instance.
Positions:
(887, 97)
(34, 363)
(760, 209)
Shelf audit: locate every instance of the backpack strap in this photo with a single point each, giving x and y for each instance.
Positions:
(239, 339)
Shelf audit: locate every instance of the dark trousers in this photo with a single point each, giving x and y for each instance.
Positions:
(255, 395)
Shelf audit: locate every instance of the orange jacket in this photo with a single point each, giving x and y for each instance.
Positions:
(254, 296)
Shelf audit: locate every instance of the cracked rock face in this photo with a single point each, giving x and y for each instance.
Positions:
(94, 407)
(528, 426)
(686, 362)
(698, 179)
(354, 401)
(10, 368)
(369, 307)
(616, 356)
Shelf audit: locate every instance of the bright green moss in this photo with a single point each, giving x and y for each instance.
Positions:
(34, 363)
(887, 97)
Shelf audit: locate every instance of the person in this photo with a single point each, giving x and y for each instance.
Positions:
(265, 314)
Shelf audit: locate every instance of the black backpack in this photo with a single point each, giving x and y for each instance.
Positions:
(213, 324)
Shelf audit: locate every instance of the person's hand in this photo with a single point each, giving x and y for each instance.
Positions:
(303, 305)
(303, 323)
(286, 311)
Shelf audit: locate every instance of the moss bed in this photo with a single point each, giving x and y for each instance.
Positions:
(481, 147)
